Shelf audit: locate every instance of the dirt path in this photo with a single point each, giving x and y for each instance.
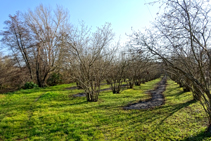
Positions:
(156, 99)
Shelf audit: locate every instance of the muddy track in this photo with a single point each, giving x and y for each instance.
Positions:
(157, 98)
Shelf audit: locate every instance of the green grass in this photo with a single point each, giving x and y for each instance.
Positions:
(53, 114)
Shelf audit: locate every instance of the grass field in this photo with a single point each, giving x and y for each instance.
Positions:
(53, 114)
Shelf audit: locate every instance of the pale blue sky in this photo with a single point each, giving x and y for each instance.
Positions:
(122, 14)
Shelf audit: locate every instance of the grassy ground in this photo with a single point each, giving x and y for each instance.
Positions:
(53, 114)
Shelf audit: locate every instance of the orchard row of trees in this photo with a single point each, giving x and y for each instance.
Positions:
(180, 37)
(43, 41)
(43, 46)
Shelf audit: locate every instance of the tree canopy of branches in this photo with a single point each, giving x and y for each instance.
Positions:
(44, 45)
(33, 39)
(89, 57)
(181, 38)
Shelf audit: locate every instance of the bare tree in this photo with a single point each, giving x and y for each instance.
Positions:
(117, 73)
(89, 57)
(35, 39)
(139, 67)
(46, 27)
(17, 39)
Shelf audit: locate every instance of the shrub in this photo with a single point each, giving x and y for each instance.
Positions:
(30, 85)
(54, 79)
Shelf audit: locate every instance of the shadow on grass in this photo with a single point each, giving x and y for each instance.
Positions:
(199, 137)
(107, 118)
(167, 109)
(67, 105)
(148, 118)
(177, 108)
(174, 94)
(179, 93)
(34, 90)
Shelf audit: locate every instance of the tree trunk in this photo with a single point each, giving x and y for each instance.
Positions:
(108, 82)
(208, 131)
(92, 96)
(137, 83)
(79, 85)
(130, 85)
(186, 89)
(116, 88)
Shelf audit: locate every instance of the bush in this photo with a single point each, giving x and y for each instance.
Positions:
(54, 79)
(30, 85)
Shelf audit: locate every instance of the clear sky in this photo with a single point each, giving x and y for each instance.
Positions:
(122, 14)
